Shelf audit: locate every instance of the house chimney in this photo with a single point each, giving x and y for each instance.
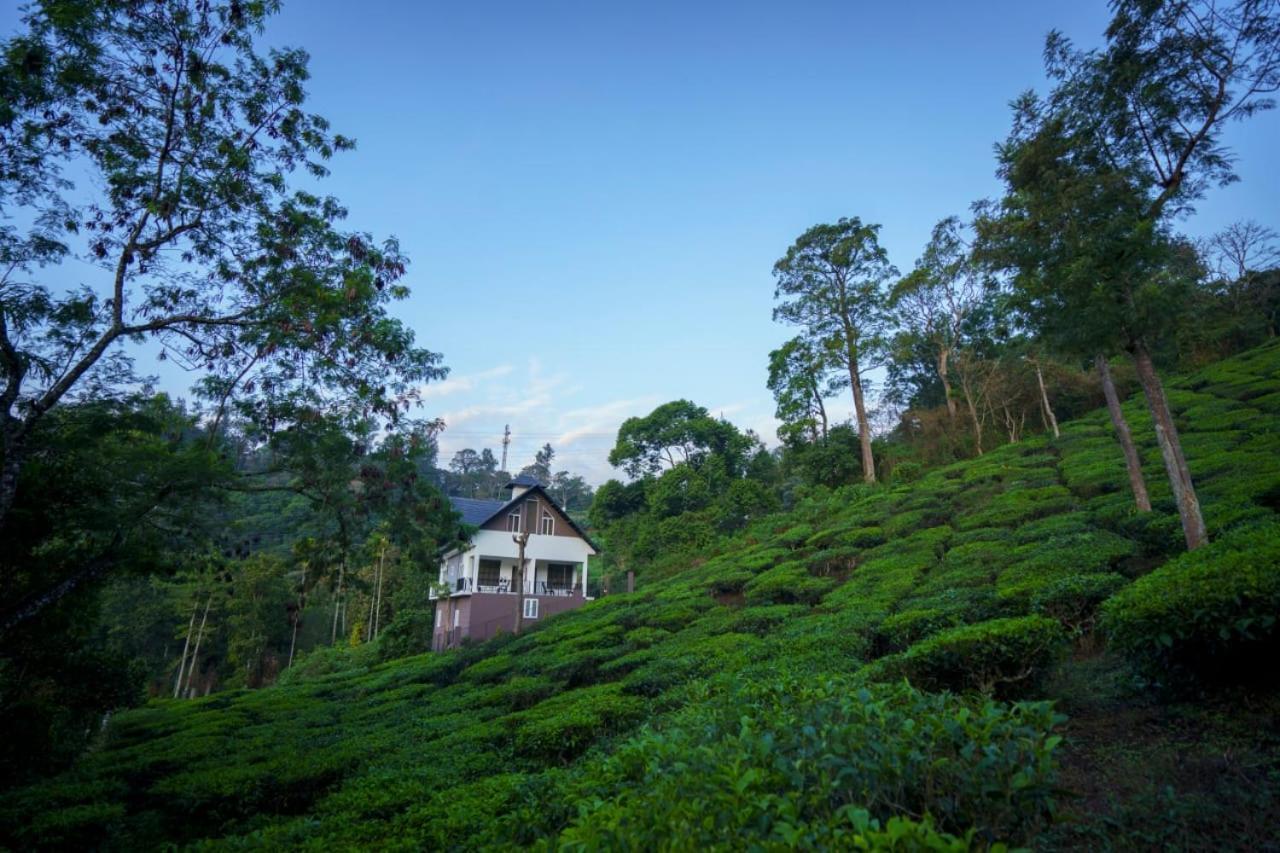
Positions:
(520, 485)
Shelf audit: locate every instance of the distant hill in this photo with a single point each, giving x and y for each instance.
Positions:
(755, 695)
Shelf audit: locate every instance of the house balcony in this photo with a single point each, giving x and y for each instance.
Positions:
(468, 586)
(495, 576)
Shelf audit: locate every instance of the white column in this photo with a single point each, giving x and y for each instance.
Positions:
(585, 561)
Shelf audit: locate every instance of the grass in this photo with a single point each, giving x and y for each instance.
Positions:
(568, 734)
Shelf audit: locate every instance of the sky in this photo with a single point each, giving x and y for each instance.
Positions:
(592, 195)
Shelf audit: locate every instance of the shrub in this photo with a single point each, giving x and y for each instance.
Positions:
(901, 630)
(1074, 601)
(1018, 506)
(562, 727)
(1003, 657)
(834, 561)
(862, 537)
(1208, 615)
(761, 620)
(880, 583)
(788, 583)
(1043, 563)
(780, 763)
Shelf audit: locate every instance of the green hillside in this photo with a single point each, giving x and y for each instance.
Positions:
(755, 694)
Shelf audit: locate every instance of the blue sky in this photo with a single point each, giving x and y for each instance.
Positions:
(593, 195)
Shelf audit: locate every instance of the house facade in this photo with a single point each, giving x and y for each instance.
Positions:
(478, 595)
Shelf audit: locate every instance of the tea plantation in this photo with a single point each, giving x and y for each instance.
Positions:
(999, 652)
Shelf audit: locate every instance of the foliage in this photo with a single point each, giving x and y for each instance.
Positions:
(507, 739)
(1074, 600)
(1005, 657)
(802, 763)
(1209, 615)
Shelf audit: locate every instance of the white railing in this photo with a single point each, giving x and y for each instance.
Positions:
(464, 585)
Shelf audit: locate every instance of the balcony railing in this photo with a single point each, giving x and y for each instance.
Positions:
(503, 587)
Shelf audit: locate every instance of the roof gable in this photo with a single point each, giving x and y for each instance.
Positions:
(485, 511)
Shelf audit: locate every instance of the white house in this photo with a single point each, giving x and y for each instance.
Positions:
(479, 597)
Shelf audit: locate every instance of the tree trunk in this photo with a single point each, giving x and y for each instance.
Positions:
(1044, 401)
(864, 425)
(1184, 491)
(195, 654)
(186, 645)
(944, 374)
(973, 413)
(368, 625)
(1131, 459)
(377, 607)
(33, 604)
(10, 467)
(337, 601)
(293, 640)
(520, 539)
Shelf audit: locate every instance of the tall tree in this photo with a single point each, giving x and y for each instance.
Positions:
(1129, 138)
(801, 379)
(540, 470)
(187, 222)
(933, 302)
(676, 433)
(831, 283)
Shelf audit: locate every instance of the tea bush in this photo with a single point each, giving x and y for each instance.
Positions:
(1208, 615)
(794, 762)
(1002, 657)
(1073, 601)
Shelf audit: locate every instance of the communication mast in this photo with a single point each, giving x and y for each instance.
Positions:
(506, 440)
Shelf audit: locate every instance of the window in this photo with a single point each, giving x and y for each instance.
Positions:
(457, 618)
(559, 576)
(513, 522)
(490, 572)
(548, 525)
(531, 608)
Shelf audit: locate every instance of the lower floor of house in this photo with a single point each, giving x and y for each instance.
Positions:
(482, 615)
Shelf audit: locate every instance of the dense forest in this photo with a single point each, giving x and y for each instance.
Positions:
(1026, 595)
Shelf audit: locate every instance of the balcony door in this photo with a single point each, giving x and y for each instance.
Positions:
(560, 577)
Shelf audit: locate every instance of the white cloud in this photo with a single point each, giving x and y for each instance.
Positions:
(462, 384)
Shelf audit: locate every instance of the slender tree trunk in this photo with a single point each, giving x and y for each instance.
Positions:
(377, 607)
(1184, 491)
(368, 625)
(1132, 462)
(864, 425)
(521, 539)
(186, 645)
(195, 654)
(293, 640)
(1044, 401)
(337, 601)
(10, 467)
(944, 374)
(297, 617)
(821, 407)
(973, 413)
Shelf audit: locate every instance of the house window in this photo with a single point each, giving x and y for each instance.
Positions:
(559, 576)
(531, 608)
(490, 572)
(513, 522)
(548, 525)
(457, 618)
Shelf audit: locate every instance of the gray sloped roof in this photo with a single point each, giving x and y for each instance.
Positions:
(523, 480)
(476, 512)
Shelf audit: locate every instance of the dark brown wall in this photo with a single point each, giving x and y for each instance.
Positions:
(492, 612)
(563, 527)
